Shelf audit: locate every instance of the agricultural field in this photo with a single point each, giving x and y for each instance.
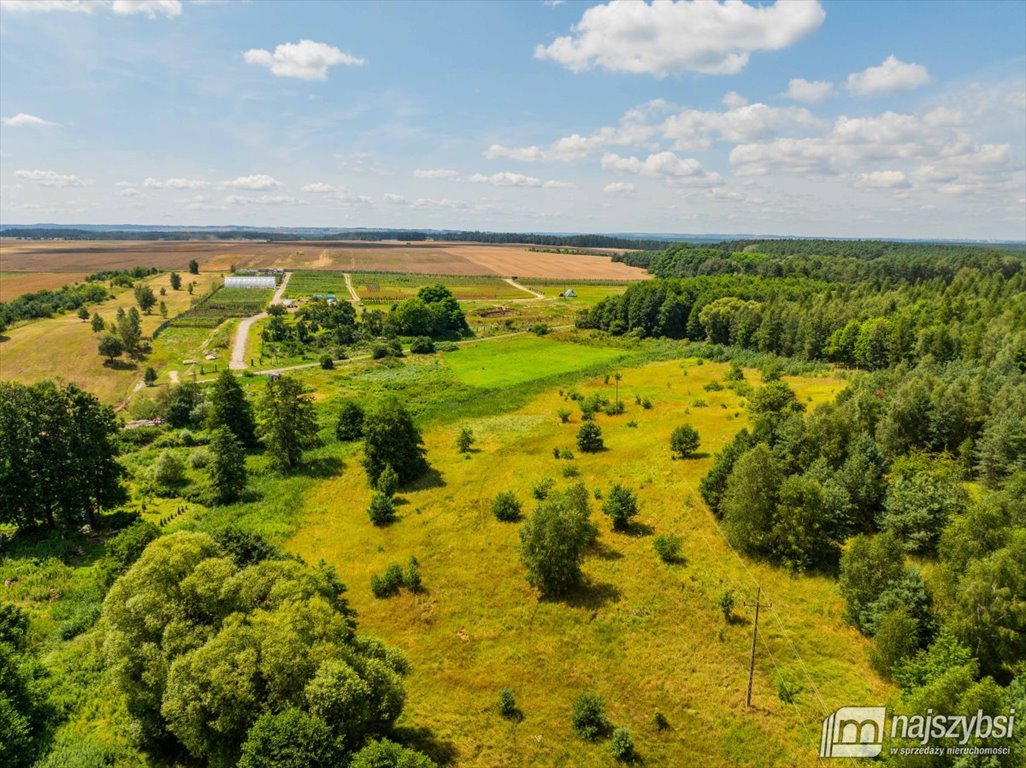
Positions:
(441, 258)
(14, 284)
(587, 292)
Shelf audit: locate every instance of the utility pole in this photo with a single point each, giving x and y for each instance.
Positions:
(755, 635)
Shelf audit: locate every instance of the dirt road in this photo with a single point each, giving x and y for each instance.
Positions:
(238, 361)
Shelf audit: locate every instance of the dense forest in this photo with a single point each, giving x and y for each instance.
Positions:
(911, 486)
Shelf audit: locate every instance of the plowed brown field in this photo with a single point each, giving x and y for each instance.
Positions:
(356, 256)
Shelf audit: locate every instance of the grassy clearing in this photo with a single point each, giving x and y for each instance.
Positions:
(387, 287)
(647, 636)
(588, 292)
(499, 364)
(15, 284)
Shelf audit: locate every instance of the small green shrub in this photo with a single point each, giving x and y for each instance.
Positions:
(571, 470)
(389, 583)
(506, 507)
(564, 415)
(543, 488)
(508, 704)
(726, 604)
(621, 746)
(412, 579)
(667, 546)
(588, 716)
(327, 363)
(422, 345)
(589, 438)
(660, 722)
(381, 510)
(388, 481)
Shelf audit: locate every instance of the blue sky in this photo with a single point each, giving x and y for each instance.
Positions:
(838, 119)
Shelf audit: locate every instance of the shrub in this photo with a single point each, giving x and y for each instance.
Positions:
(411, 579)
(199, 458)
(566, 453)
(542, 488)
(388, 754)
(350, 421)
(422, 345)
(622, 746)
(168, 471)
(684, 441)
(621, 505)
(379, 351)
(327, 363)
(564, 415)
(125, 548)
(726, 604)
(540, 329)
(589, 438)
(646, 404)
(713, 386)
(506, 507)
(388, 481)
(614, 409)
(389, 583)
(571, 470)
(150, 377)
(660, 722)
(381, 509)
(588, 717)
(508, 704)
(667, 546)
(464, 440)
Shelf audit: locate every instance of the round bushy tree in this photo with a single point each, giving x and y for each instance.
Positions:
(506, 507)
(168, 471)
(589, 438)
(588, 716)
(289, 739)
(621, 505)
(621, 746)
(391, 438)
(388, 754)
(684, 441)
(350, 421)
(553, 540)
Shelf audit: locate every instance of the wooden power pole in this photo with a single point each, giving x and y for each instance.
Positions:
(755, 636)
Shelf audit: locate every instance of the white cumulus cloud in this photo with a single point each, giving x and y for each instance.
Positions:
(336, 193)
(435, 173)
(619, 188)
(50, 178)
(151, 8)
(662, 164)
(177, 183)
(809, 91)
(259, 181)
(883, 180)
(670, 37)
(22, 120)
(263, 200)
(306, 59)
(892, 75)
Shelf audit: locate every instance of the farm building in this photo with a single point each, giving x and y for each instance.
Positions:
(249, 281)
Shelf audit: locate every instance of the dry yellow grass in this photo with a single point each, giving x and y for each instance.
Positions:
(65, 346)
(647, 636)
(14, 284)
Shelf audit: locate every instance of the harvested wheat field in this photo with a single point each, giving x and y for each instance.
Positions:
(432, 258)
(15, 284)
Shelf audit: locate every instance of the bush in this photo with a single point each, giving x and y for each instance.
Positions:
(508, 704)
(388, 481)
(327, 363)
(465, 440)
(589, 438)
(646, 404)
(168, 471)
(660, 722)
(726, 604)
(622, 746)
(411, 579)
(684, 441)
(350, 421)
(379, 351)
(389, 583)
(381, 510)
(422, 345)
(150, 377)
(388, 754)
(667, 546)
(571, 470)
(506, 507)
(588, 717)
(125, 548)
(620, 505)
(543, 488)
(564, 415)
(199, 458)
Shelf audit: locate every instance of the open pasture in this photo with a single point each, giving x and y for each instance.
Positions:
(647, 636)
(387, 287)
(15, 284)
(503, 363)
